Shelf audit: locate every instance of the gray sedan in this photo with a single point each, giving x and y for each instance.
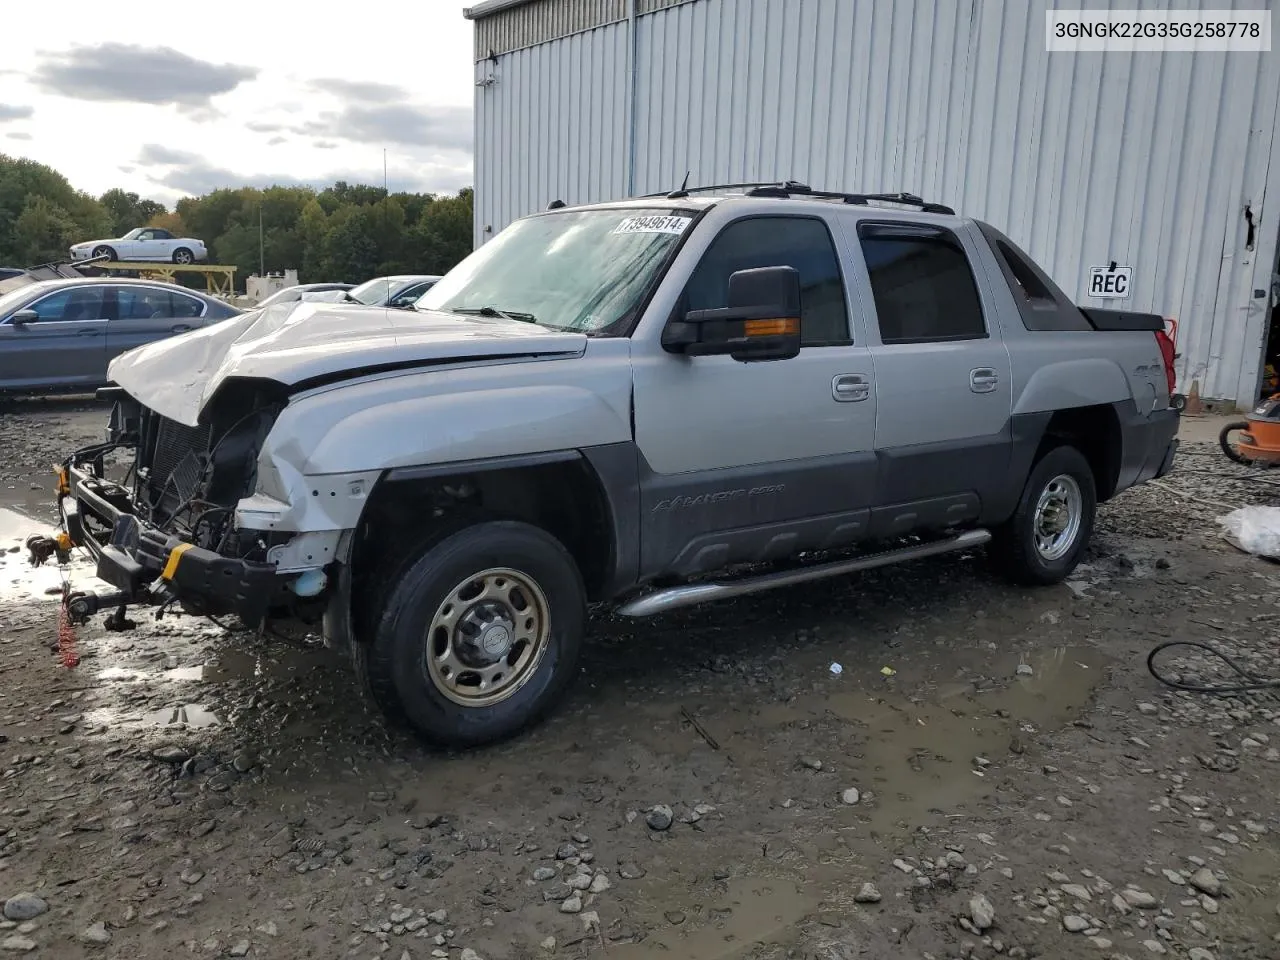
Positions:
(61, 334)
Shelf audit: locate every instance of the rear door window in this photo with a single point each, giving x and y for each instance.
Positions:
(922, 282)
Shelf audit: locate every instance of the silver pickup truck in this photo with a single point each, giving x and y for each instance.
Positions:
(649, 403)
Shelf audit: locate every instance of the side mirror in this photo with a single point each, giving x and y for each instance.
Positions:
(23, 317)
(761, 322)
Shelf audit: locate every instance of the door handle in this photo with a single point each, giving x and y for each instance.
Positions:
(983, 380)
(88, 333)
(850, 387)
(180, 328)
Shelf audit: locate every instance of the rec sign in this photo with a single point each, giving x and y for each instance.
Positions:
(1110, 282)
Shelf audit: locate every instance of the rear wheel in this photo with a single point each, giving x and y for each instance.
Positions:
(183, 255)
(478, 635)
(1230, 444)
(1043, 541)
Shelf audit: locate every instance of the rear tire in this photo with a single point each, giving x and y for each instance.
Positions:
(478, 636)
(1231, 450)
(1042, 543)
(183, 255)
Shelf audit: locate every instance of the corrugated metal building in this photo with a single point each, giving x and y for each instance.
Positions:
(1158, 161)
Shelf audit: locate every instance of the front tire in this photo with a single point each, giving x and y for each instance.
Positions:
(107, 251)
(1042, 543)
(478, 636)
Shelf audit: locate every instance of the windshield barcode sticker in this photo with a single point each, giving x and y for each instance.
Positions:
(656, 224)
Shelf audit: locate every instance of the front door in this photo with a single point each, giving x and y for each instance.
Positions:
(943, 432)
(64, 346)
(742, 462)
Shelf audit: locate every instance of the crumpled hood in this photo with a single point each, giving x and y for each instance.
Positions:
(291, 343)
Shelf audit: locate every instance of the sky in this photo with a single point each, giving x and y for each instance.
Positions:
(179, 100)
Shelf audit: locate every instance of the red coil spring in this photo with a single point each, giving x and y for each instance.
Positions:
(67, 636)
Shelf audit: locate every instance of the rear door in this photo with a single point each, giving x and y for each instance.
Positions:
(943, 436)
(66, 346)
(146, 313)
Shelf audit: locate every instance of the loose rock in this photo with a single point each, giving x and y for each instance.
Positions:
(572, 905)
(868, 893)
(982, 913)
(17, 945)
(96, 934)
(851, 796)
(24, 906)
(1074, 924)
(544, 873)
(1204, 881)
(660, 817)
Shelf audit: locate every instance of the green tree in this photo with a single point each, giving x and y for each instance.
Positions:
(43, 232)
(128, 210)
(346, 232)
(67, 213)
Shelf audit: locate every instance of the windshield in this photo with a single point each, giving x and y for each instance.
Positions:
(132, 234)
(372, 292)
(581, 270)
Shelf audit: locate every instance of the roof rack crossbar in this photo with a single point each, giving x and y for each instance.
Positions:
(788, 188)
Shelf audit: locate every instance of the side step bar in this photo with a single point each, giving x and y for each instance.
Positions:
(673, 598)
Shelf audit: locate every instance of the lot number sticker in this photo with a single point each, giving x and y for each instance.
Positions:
(1110, 282)
(657, 224)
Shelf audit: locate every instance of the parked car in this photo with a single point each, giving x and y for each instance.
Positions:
(633, 403)
(151, 244)
(62, 334)
(8, 273)
(320, 292)
(400, 291)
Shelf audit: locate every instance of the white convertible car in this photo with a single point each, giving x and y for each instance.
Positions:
(152, 244)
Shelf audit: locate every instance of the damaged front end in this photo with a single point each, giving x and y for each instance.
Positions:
(166, 532)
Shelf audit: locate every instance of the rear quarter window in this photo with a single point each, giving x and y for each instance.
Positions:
(1041, 303)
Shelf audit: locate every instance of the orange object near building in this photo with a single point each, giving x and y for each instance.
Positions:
(1257, 438)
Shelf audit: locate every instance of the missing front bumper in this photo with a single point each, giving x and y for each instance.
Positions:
(149, 565)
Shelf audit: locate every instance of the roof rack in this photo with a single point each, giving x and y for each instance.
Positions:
(790, 188)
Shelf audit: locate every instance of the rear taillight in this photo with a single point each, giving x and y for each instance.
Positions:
(1167, 353)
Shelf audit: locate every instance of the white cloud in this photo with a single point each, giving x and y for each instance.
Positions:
(259, 94)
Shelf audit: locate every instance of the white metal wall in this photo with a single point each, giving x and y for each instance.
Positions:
(1145, 159)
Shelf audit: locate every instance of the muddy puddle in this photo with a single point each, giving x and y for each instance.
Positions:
(20, 582)
(932, 753)
(721, 922)
(133, 690)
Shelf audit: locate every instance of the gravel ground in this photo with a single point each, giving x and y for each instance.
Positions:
(992, 772)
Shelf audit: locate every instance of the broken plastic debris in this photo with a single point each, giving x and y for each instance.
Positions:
(888, 671)
(1255, 529)
(836, 669)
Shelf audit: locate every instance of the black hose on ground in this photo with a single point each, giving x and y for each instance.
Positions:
(1254, 682)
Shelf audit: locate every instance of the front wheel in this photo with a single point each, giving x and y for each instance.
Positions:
(108, 252)
(1042, 543)
(1226, 440)
(478, 636)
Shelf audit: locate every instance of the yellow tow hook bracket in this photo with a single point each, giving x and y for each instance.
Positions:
(63, 540)
(64, 481)
(171, 565)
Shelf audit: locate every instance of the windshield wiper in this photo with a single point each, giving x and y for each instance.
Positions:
(495, 312)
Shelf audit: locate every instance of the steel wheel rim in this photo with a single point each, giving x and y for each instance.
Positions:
(1058, 517)
(487, 637)
(184, 257)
